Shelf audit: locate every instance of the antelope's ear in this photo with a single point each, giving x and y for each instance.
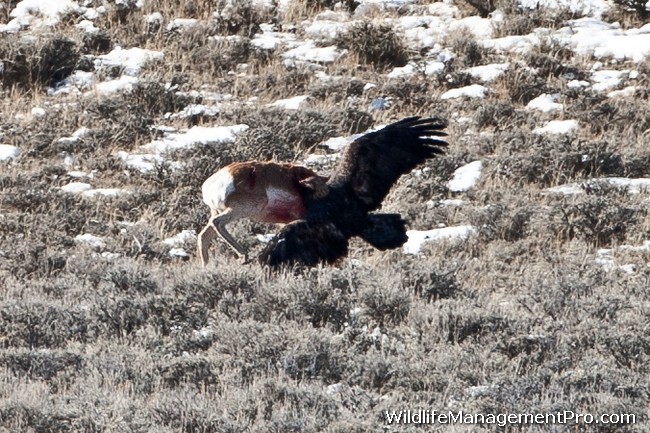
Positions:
(316, 186)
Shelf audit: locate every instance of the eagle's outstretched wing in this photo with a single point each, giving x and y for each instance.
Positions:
(307, 243)
(372, 163)
(369, 167)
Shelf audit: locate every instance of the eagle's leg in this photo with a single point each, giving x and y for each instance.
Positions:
(219, 223)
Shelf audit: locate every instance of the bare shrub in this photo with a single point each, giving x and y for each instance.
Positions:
(551, 59)
(281, 135)
(533, 159)
(522, 21)
(521, 85)
(337, 90)
(626, 8)
(482, 7)
(596, 219)
(610, 117)
(374, 44)
(33, 324)
(468, 50)
(238, 18)
(33, 64)
(42, 365)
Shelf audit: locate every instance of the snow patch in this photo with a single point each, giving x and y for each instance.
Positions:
(417, 237)
(545, 103)
(558, 127)
(181, 238)
(195, 135)
(465, 177)
(8, 152)
(487, 73)
(290, 103)
(472, 91)
(633, 186)
(309, 52)
(93, 241)
(130, 60)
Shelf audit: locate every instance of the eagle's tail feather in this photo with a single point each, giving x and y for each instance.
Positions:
(384, 231)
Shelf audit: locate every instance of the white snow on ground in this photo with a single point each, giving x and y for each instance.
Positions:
(558, 127)
(605, 79)
(587, 36)
(590, 36)
(91, 240)
(633, 186)
(412, 68)
(104, 192)
(76, 136)
(197, 110)
(465, 177)
(327, 25)
(8, 152)
(575, 84)
(87, 26)
(124, 83)
(181, 24)
(141, 162)
(418, 237)
(512, 43)
(309, 52)
(86, 190)
(545, 103)
(338, 143)
(452, 202)
(623, 93)
(487, 73)
(606, 257)
(270, 39)
(265, 239)
(195, 135)
(38, 112)
(480, 28)
(178, 252)
(290, 103)
(151, 154)
(471, 91)
(581, 7)
(38, 13)
(131, 60)
(77, 81)
(76, 187)
(180, 238)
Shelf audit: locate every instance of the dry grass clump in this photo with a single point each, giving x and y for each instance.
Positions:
(598, 218)
(374, 44)
(281, 135)
(31, 64)
(630, 13)
(520, 84)
(552, 59)
(301, 9)
(542, 161)
(522, 21)
(608, 118)
(480, 7)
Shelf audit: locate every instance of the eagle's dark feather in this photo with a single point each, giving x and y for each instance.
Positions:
(371, 165)
(307, 243)
(338, 209)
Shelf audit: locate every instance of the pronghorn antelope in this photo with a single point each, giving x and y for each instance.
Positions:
(321, 213)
